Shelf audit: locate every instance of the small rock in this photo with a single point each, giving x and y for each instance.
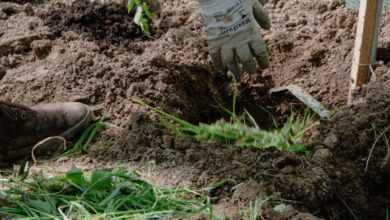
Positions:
(168, 141)
(3, 71)
(322, 155)
(28, 9)
(287, 170)
(41, 48)
(70, 35)
(249, 191)
(3, 15)
(322, 8)
(283, 208)
(288, 160)
(33, 25)
(331, 140)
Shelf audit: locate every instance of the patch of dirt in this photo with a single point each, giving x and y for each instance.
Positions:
(288, 175)
(311, 45)
(105, 24)
(96, 55)
(332, 182)
(358, 139)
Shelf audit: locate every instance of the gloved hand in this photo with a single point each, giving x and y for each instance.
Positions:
(235, 41)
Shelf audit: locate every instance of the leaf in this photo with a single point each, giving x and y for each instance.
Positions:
(130, 5)
(101, 180)
(145, 28)
(147, 11)
(113, 194)
(76, 177)
(298, 148)
(141, 18)
(138, 15)
(43, 206)
(95, 128)
(24, 171)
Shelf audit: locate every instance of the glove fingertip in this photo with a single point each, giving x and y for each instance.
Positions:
(250, 67)
(235, 69)
(261, 54)
(217, 60)
(263, 62)
(261, 16)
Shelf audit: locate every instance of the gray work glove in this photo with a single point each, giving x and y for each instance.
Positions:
(233, 29)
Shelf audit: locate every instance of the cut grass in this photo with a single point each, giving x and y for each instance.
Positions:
(102, 195)
(242, 131)
(82, 144)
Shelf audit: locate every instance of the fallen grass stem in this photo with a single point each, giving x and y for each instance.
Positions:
(82, 144)
(236, 131)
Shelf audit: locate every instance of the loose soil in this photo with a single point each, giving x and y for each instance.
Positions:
(54, 51)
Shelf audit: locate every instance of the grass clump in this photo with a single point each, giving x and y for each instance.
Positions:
(87, 136)
(102, 195)
(243, 131)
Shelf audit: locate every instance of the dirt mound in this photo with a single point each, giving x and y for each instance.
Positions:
(106, 24)
(358, 137)
(95, 54)
(287, 173)
(71, 57)
(311, 45)
(333, 182)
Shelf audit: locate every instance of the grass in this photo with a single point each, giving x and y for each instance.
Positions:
(103, 194)
(143, 16)
(82, 144)
(243, 131)
(255, 209)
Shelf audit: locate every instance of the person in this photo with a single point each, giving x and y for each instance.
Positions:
(235, 45)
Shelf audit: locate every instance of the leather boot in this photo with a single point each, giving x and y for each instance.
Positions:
(22, 127)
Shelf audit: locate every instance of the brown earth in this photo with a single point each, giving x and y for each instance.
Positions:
(95, 54)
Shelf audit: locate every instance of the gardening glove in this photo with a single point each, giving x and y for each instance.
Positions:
(233, 30)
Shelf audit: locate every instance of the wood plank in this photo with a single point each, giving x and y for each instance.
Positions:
(365, 43)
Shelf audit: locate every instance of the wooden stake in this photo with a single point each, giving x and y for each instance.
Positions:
(365, 44)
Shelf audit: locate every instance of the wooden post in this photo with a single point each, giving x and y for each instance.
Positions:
(365, 44)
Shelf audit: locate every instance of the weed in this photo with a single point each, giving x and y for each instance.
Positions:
(237, 131)
(85, 139)
(143, 15)
(102, 195)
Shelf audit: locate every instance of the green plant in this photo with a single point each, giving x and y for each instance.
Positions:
(102, 195)
(143, 15)
(85, 139)
(243, 131)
